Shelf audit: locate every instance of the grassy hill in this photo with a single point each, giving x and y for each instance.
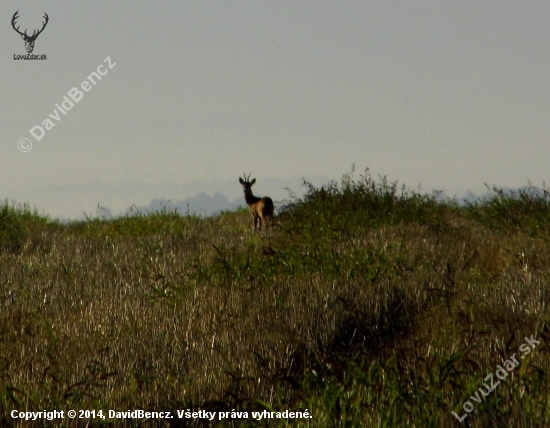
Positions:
(369, 305)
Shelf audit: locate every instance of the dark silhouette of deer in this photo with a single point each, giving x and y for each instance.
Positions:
(29, 40)
(261, 208)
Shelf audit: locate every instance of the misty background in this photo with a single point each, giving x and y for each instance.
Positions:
(446, 95)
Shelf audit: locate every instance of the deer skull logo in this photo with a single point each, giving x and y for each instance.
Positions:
(29, 40)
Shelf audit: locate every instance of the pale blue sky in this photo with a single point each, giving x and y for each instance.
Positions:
(446, 94)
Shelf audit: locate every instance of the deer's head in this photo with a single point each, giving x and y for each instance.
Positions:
(29, 40)
(246, 183)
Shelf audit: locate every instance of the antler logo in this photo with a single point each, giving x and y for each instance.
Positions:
(29, 40)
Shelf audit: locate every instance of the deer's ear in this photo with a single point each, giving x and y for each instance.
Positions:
(241, 180)
(252, 182)
(23, 36)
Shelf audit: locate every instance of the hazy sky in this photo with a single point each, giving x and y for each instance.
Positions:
(446, 94)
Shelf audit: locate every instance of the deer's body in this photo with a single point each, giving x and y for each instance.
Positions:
(262, 209)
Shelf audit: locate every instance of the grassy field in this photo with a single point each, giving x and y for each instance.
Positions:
(369, 305)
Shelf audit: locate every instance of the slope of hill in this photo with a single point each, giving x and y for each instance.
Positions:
(368, 305)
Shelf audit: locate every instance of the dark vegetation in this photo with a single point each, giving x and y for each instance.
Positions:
(369, 304)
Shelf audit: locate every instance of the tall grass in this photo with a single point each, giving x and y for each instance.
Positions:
(369, 304)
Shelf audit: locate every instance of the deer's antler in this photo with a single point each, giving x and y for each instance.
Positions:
(34, 36)
(35, 33)
(13, 24)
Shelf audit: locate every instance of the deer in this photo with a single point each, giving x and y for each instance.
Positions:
(29, 40)
(261, 208)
